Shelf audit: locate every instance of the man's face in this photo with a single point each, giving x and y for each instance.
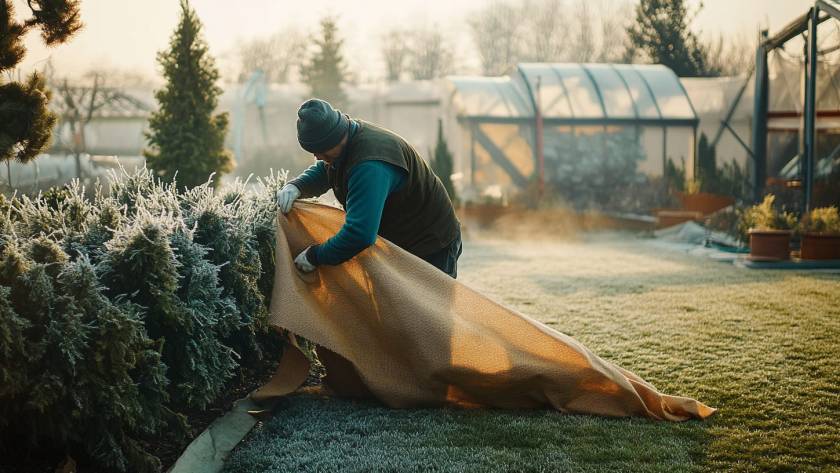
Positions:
(333, 153)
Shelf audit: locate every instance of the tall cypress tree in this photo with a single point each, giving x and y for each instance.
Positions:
(707, 171)
(662, 31)
(185, 137)
(26, 123)
(325, 70)
(442, 162)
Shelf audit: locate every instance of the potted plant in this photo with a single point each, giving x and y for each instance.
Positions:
(487, 208)
(821, 234)
(768, 231)
(706, 203)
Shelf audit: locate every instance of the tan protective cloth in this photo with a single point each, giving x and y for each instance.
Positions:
(391, 325)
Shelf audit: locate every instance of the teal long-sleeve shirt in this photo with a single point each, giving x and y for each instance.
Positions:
(369, 185)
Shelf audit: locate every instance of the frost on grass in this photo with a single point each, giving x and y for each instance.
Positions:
(122, 306)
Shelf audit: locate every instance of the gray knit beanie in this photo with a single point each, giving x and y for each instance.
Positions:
(319, 126)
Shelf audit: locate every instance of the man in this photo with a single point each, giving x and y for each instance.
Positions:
(383, 184)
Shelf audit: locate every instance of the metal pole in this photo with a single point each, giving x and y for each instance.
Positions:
(664, 149)
(472, 154)
(803, 119)
(759, 126)
(693, 153)
(809, 115)
(539, 141)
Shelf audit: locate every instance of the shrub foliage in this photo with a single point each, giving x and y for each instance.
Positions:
(121, 309)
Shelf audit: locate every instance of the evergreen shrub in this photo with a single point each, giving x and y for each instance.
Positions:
(121, 309)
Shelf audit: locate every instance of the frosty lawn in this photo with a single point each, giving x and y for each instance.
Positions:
(761, 346)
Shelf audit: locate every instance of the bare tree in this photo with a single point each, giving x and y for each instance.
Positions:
(550, 31)
(276, 55)
(613, 31)
(583, 43)
(730, 56)
(430, 55)
(497, 32)
(395, 52)
(77, 104)
(546, 30)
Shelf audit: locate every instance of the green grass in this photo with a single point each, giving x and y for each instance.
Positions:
(762, 346)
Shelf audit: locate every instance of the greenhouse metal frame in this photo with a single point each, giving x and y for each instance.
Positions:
(807, 22)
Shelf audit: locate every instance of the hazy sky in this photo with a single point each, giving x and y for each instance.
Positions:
(127, 33)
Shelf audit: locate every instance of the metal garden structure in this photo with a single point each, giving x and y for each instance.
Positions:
(551, 121)
(820, 99)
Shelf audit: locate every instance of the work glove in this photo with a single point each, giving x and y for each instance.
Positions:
(287, 196)
(303, 264)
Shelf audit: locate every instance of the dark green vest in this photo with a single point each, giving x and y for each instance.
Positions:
(419, 217)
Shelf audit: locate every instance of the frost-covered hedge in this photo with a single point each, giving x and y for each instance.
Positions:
(119, 310)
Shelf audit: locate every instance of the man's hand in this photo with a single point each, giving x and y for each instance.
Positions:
(287, 196)
(303, 264)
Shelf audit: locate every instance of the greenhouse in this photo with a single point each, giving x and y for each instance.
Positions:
(568, 125)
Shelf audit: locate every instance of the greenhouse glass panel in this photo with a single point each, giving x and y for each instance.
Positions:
(639, 91)
(486, 172)
(651, 140)
(585, 164)
(489, 97)
(559, 148)
(581, 91)
(785, 83)
(825, 186)
(503, 154)
(680, 148)
(782, 149)
(617, 99)
(553, 100)
(509, 142)
(668, 92)
(828, 86)
(461, 145)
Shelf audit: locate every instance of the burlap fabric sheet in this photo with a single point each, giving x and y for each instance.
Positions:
(393, 327)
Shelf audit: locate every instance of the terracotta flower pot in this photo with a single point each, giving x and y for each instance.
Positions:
(820, 246)
(483, 214)
(667, 218)
(705, 202)
(769, 245)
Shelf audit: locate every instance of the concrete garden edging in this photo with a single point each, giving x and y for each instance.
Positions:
(207, 452)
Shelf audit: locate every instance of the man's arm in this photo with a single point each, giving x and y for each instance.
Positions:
(369, 185)
(313, 181)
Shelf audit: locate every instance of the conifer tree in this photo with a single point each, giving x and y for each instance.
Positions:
(706, 164)
(26, 123)
(442, 162)
(325, 70)
(662, 31)
(186, 138)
